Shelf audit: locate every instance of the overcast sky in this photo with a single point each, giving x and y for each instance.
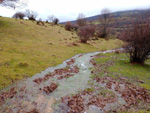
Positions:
(67, 10)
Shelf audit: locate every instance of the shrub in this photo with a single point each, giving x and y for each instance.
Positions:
(38, 23)
(103, 35)
(137, 39)
(56, 20)
(42, 23)
(19, 15)
(85, 33)
(46, 21)
(68, 26)
(32, 18)
(98, 32)
(75, 27)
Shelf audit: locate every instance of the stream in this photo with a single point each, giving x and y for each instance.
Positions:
(30, 94)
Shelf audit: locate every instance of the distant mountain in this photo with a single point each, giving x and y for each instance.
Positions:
(128, 13)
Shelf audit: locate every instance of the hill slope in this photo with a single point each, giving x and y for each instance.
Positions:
(117, 15)
(27, 48)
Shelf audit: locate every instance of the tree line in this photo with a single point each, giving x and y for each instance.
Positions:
(136, 35)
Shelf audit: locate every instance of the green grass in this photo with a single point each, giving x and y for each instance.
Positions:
(4, 24)
(27, 48)
(90, 89)
(118, 65)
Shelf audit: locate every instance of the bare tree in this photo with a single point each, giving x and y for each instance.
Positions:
(105, 19)
(137, 38)
(81, 20)
(51, 18)
(14, 3)
(31, 14)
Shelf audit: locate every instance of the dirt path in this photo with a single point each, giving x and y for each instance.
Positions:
(48, 91)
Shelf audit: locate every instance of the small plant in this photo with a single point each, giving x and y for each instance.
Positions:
(38, 23)
(23, 65)
(117, 52)
(85, 33)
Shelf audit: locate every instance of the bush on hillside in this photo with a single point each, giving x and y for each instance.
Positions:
(75, 27)
(32, 15)
(98, 32)
(56, 20)
(19, 15)
(137, 39)
(32, 18)
(46, 21)
(68, 26)
(85, 33)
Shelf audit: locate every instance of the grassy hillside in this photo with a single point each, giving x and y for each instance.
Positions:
(129, 14)
(27, 48)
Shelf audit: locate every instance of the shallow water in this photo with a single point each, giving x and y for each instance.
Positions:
(32, 97)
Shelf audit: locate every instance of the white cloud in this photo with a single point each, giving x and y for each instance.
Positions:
(6, 12)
